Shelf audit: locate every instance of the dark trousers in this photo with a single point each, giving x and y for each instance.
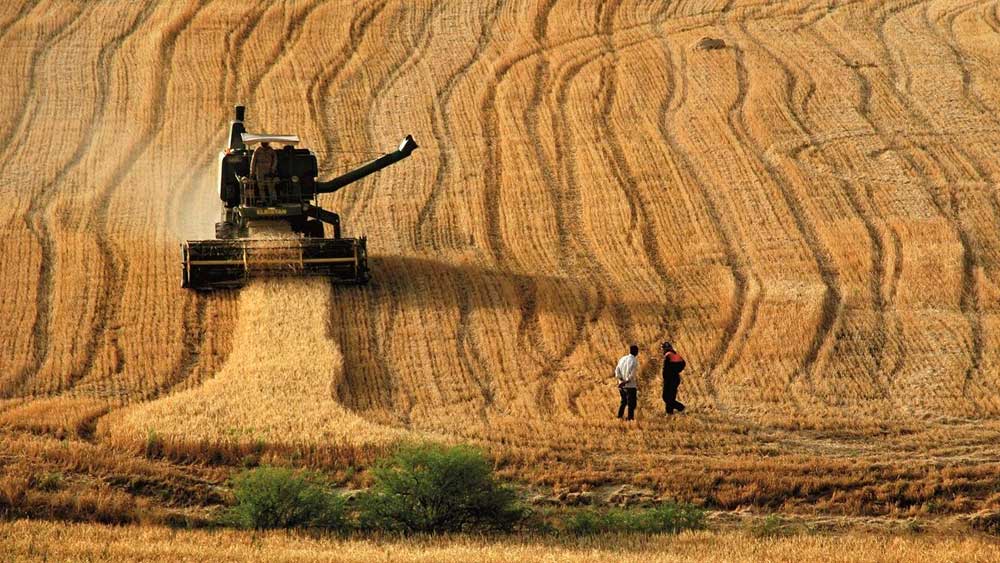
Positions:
(629, 398)
(670, 396)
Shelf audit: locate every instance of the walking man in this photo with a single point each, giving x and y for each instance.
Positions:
(673, 365)
(625, 373)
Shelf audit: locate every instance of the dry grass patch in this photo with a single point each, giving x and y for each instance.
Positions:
(37, 541)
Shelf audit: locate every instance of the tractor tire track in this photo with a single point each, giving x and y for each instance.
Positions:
(35, 219)
(108, 306)
(831, 308)
(969, 286)
(442, 130)
(42, 47)
(798, 117)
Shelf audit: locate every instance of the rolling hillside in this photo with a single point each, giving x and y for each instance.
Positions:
(811, 214)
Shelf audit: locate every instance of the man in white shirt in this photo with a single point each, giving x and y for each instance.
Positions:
(626, 372)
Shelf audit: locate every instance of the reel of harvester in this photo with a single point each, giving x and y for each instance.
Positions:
(274, 193)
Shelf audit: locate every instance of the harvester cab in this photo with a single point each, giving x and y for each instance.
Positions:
(270, 222)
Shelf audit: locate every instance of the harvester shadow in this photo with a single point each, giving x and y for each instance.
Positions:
(451, 302)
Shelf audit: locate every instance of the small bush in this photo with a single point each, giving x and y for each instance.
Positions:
(668, 518)
(436, 489)
(49, 481)
(275, 497)
(154, 444)
(770, 526)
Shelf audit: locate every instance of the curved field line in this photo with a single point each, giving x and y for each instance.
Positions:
(798, 118)
(37, 223)
(42, 47)
(322, 81)
(466, 349)
(968, 305)
(571, 233)
(25, 8)
(442, 129)
(358, 29)
(232, 54)
(109, 302)
(970, 301)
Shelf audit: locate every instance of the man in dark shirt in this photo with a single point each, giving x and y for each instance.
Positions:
(673, 365)
(263, 165)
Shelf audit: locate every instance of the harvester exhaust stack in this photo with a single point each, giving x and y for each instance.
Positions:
(282, 194)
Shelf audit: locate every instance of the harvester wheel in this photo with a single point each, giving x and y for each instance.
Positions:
(313, 229)
(225, 230)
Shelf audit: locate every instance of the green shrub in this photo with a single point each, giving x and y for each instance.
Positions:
(590, 522)
(154, 444)
(668, 518)
(276, 497)
(769, 527)
(49, 481)
(433, 488)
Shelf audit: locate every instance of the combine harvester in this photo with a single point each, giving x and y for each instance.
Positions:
(285, 199)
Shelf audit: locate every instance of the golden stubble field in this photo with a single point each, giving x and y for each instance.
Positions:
(46, 541)
(810, 214)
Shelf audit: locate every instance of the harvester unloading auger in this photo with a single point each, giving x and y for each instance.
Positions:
(286, 196)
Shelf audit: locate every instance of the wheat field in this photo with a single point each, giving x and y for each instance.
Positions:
(46, 541)
(810, 214)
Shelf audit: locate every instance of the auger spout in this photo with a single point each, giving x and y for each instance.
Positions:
(406, 147)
